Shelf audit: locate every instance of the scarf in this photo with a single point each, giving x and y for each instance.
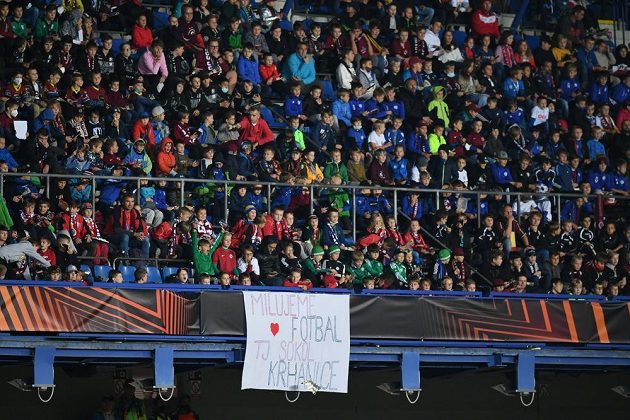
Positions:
(92, 227)
(508, 56)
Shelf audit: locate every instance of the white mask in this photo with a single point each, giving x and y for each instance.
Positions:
(451, 74)
(14, 113)
(17, 81)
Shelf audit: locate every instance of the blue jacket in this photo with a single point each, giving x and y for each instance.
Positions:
(248, 70)
(501, 174)
(595, 148)
(333, 235)
(383, 205)
(563, 180)
(408, 209)
(364, 204)
(8, 158)
(620, 93)
(296, 67)
(357, 136)
(110, 191)
(399, 169)
(620, 182)
(257, 201)
(515, 117)
(292, 106)
(357, 106)
(376, 110)
(397, 108)
(417, 144)
(395, 138)
(599, 94)
(282, 197)
(513, 88)
(568, 86)
(600, 180)
(160, 198)
(341, 109)
(323, 135)
(552, 149)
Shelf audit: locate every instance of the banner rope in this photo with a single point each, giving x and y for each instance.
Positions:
(39, 395)
(169, 397)
(407, 395)
(531, 401)
(297, 396)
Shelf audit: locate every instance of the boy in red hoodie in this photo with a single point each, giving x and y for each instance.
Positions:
(295, 280)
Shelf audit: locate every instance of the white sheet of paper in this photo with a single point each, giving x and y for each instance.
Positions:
(21, 128)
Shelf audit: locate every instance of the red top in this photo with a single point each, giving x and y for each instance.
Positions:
(259, 133)
(141, 37)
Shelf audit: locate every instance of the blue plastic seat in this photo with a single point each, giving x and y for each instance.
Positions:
(154, 275)
(168, 271)
(328, 92)
(267, 115)
(160, 20)
(127, 272)
(101, 272)
(116, 44)
(459, 37)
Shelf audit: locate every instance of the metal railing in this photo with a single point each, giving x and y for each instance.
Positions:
(556, 198)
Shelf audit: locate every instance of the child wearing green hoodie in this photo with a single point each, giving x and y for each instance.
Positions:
(438, 107)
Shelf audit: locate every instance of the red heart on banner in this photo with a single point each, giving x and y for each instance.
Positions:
(274, 327)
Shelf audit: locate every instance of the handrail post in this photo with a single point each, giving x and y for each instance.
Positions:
(269, 198)
(225, 202)
(1, 185)
(478, 210)
(138, 191)
(312, 199)
(396, 206)
(48, 186)
(94, 195)
(518, 207)
(181, 194)
(559, 201)
(354, 214)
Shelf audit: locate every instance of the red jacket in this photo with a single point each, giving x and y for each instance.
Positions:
(289, 283)
(76, 229)
(143, 132)
(485, 23)
(125, 220)
(273, 228)
(260, 133)
(268, 72)
(141, 37)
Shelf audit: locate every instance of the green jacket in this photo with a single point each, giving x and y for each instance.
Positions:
(340, 200)
(336, 168)
(400, 271)
(44, 29)
(310, 266)
(203, 262)
(298, 136)
(374, 267)
(359, 273)
(20, 29)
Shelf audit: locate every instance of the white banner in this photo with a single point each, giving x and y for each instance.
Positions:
(297, 341)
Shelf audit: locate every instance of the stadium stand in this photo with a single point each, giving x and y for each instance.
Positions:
(370, 147)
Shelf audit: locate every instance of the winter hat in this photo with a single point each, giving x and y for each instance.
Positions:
(317, 250)
(444, 254)
(332, 249)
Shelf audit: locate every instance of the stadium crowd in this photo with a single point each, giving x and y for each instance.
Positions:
(423, 96)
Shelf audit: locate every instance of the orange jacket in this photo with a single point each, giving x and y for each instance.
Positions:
(165, 160)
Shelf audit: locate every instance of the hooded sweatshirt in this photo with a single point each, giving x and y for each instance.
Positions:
(166, 160)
